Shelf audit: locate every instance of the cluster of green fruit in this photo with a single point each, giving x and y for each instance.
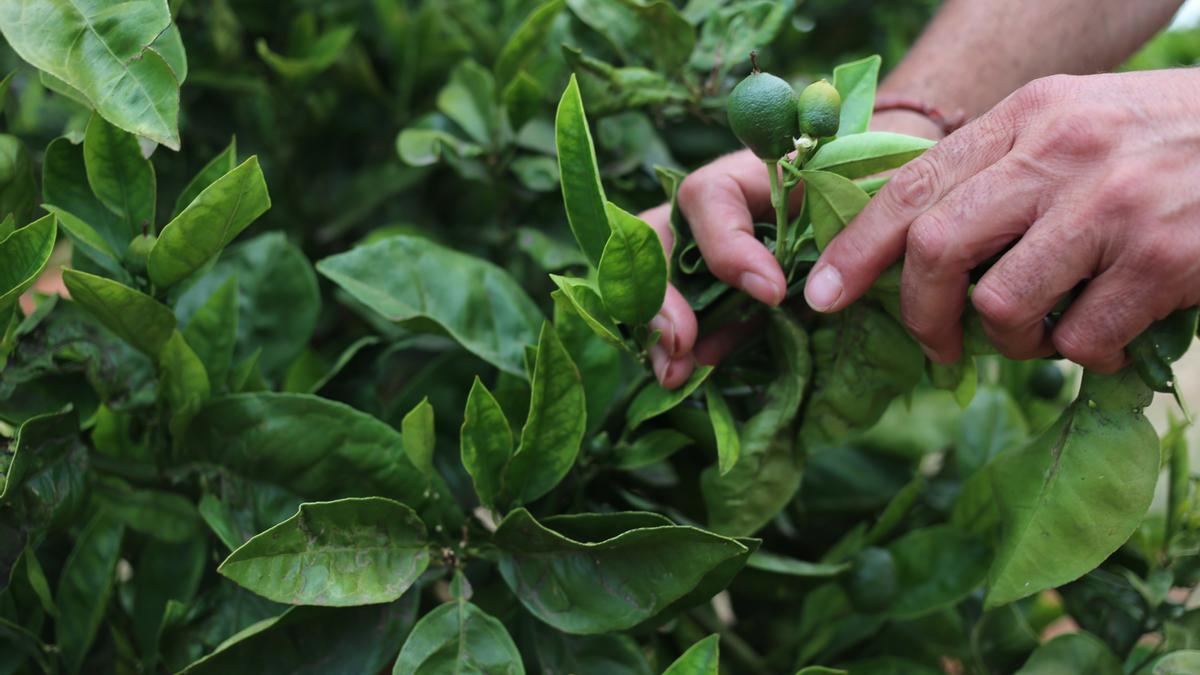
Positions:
(769, 117)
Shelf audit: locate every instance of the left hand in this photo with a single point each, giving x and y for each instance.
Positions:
(1095, 178)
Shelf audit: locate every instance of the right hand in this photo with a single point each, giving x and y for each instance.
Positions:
(721, 202)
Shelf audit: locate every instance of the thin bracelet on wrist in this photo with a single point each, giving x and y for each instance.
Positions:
(948, 123)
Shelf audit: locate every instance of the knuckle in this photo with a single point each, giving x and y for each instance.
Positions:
(1087, 353)
(1000, 309)
(1083, 135)
(930, 241)
(916, 185)
(1042, 91)
(693, 187)
(1122, 192)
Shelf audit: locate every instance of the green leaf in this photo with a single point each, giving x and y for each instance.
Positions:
(213, 219)
(855, 81)
(1072, 653)
(166, 580)
(486, 443)
(652, 34)
(936, 567)
(322, 54)
(425, 147)
(548, 252)
(218, 166)
(278, 298)
(651, 448)
(41, 441)
(37, 581)
(336, 554)
(526, 41)
(833, 201)
(310, 372)
(135, 317)
(106, 56)
(770, 562)
(610, 90)
(728, 34)
(23, 256)
(469, 99)
(602, 367)
(523, 98)
(1162, 344)
(992, 424)
(702, 658)
(84, 587)
(458, 637)
(1076, 492)
(314, 447)
(611, 654)
(165, 516)
(611, 581)
(183, 382)
(653, 400)
(120, 177)
(536, 172)
(412, 280)
(212, 331)
(583, 195)
(632, 275)
(18, 192)
(867, 153)
(325, 640)
(581, 299)
(1178, 663)
(417, 431)
(65, 186)
(87, 241)
(724, 428)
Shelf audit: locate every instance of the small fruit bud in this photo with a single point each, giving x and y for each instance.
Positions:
(820, 107)
(138, 252)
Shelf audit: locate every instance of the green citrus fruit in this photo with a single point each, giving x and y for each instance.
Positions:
(871, 583)
(762, 114)
(820, 107)
(138, 252)
(1046, 381)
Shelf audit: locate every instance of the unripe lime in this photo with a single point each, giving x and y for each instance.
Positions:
(762, 114)
(820, 107)
(138, 251)
(1046, 381)
(871, 583)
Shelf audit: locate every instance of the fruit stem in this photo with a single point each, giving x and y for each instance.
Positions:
(779, 201)
(754, 62)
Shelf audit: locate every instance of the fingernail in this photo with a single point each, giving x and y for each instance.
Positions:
(666, 327)
(761, 288)
(660, 361)
(823, 288)
(929, 353)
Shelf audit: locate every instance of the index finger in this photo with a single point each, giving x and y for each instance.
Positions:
(875, 240)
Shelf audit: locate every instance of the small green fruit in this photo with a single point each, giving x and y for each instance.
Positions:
(1046, 381)
(762, 114)
(138, 252)
(871, 583)
(820, 107)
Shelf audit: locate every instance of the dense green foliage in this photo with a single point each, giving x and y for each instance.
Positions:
(352, 377)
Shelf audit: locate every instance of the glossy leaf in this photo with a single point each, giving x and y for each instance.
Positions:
(416, 429)
(183, 382)
(653, 400)
(336, 554)
(729, 446)
(486, 443)
(107, 56)
(702, 658)
(458, 637)
(18, 191)
(632, 275)
(84, 588)
(602, 367)
(1074, 494)
(40, 442)
(583, 195)
(582, 299)
(936, 567)
(833, 201)
(1072, 653)
(213, 219)
(135, 317)
(314, 447)
(855, 81)
(526, 41)
(87, 241)
(611, 581)
(65, 187)
(867, 154)
(212, 331)
(777, 564)
(120, 177)
(218, 166)
(23, 256)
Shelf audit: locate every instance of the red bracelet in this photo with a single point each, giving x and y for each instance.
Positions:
(947, 123)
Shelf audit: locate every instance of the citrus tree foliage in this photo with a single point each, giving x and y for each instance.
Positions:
(348, 372)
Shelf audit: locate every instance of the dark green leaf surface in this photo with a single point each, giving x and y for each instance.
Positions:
(23, 256)
(119, 176)
(729, 446)
(833, 201)
(143, 322)
(653, 400)
(702, 658)
(486, 443)
(458, 637)
(526, 41)
(183, 382)
(212, 331)
(652, 34)
(632, 275)
(336, 554)
(583, 195)
(65, 186)
(416, 429)
(84, 588)
(1072, 653)
(936, 567)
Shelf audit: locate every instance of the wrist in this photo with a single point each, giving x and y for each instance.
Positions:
(907, 122)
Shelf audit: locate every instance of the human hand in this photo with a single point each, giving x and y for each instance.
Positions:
(721, 201)
(1093, 177)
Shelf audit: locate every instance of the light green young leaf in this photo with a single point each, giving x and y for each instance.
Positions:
(419, 438)
(486, 443)
(336, 554)
(120, 177)
(23, 256)
(111, 55)
(580, 298)
(218, 166)
(583, 195)
(867, 154)
(212, 331)
(729, 33)
(183, 382)
(469, 98)
(702, 658)
(317, 59)
(778, 564)
(729, 446)
(425, 147)
(458, 637)
(1072, 653)
(135, 317)
(550, 253)
(213, 219)
(632, 275)
(417, 282)
(597, 577)
(653, 400)
(855, 81)
(833, 201)
(526, 41)
(84, 588)
(1077, 492)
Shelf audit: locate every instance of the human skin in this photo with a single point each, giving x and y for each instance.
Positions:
(1071, 143)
